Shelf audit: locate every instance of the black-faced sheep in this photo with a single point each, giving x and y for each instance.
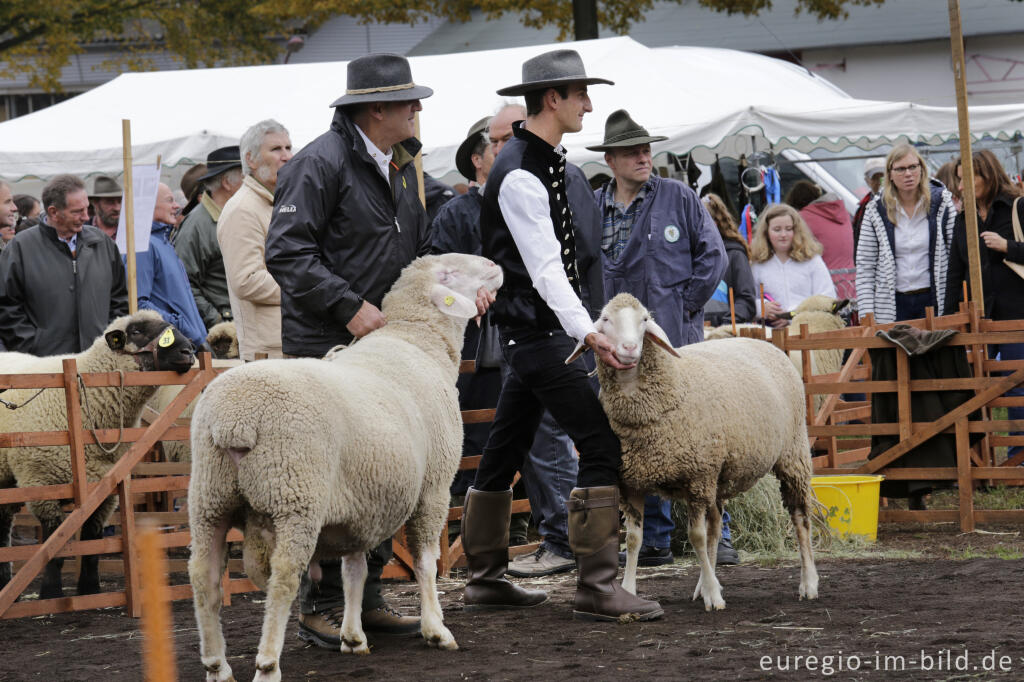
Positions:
(702, 424)
(143, 341)
(327, 458)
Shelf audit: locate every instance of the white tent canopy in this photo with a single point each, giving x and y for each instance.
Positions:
(705, 100)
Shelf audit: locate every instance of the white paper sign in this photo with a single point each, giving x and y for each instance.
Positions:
(145, 180)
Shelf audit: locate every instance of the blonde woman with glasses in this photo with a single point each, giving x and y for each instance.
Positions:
(903, 249)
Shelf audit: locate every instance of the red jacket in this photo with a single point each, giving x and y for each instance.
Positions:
(830, 223)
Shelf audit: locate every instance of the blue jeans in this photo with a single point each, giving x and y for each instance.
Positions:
(549, 473)
(1011, 351)
(658, 524)
(911, 306)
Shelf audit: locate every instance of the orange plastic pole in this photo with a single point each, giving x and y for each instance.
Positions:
(158, 653)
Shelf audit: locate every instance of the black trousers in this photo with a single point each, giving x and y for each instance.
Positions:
(539, 379)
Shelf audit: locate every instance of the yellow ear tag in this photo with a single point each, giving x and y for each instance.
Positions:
(449, 301)
(166, 339)
(404, 186)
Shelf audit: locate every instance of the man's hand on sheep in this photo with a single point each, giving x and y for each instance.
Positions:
(605, 350)
(484, 299)
(366, 320)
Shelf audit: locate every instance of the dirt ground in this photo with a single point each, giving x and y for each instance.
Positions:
(924, 604)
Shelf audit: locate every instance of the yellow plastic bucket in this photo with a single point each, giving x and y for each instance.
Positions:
(851, 503)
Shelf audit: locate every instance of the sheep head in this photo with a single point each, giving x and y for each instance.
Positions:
(153, 343)
(626, 323)
(223, 339)
(450, 282)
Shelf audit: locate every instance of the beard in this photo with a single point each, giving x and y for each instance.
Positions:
(266, 175)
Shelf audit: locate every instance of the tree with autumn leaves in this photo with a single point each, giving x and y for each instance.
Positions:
(39, 37)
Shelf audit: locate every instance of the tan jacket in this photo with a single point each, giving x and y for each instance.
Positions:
(255, 296)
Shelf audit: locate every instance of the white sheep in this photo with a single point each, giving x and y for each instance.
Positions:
(345, 450)
(701, 427)
(143, 341)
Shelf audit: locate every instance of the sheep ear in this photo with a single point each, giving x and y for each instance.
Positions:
(452, 303)
(116, 339)
(839, 305)
(579, 350)
(657, 335)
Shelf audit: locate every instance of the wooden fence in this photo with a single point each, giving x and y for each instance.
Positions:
(839, 433)
(157, 487)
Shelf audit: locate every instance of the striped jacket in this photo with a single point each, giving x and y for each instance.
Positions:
(876, 267)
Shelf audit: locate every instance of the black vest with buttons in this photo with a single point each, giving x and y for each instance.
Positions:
(518, 305)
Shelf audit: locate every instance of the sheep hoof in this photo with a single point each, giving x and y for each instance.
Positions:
(808, 594)
(354, 646)
(441, 640)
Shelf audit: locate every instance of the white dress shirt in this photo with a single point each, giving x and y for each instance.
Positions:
(791, 282)
(911, 242)
(377, 155)
(524, 205)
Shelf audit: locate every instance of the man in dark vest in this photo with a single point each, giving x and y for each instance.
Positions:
(528, 229)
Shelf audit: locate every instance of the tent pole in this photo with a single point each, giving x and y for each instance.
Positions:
(129, 217)
(420, 185)
(966, 162)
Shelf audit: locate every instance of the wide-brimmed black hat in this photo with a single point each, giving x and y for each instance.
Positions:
(622, 131)
(380, 77)
(105, 187)
(220, 161)
(551, 69)
(464, 155)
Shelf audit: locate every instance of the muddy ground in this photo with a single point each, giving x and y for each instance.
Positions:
(924, 604)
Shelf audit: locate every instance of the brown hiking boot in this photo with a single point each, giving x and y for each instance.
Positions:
(324, 629)
(485, 539)
(594, 539)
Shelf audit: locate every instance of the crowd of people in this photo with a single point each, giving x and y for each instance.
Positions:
(298, 251)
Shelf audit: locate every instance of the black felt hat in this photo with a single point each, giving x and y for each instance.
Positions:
(220, 161)
(464, 155)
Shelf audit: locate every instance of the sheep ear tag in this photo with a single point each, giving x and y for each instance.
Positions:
(452, 303)
(166, 339)
(116, 339)
(658, 336)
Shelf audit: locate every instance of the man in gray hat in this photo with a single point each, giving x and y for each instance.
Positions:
(346, 219)
(195, 240)
(660, 245)
(553, 287)
(105, 199)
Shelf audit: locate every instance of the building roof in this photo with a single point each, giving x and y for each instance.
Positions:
(343, 38)
(776, 30)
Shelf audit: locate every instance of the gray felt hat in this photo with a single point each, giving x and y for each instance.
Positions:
(464, 155)
(380, 77)
(552, 69)
(622, 131)
(105, 187)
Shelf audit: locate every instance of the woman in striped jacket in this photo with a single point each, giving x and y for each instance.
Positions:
(903, 249)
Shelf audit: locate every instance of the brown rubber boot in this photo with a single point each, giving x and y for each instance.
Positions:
(485, 522)
(594, 539)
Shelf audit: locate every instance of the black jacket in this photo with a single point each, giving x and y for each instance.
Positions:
(738, 276)
(51, 303)
(1003, 288)
(339, 234)
(456, 227)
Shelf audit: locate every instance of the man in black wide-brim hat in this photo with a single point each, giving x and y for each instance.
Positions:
(552, 288)
(347, 218)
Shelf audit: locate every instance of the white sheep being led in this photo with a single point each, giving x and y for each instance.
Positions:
(701, 424)
(318, 459)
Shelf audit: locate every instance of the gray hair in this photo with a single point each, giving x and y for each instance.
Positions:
(57, 190)
(252, 139)
(234, 176)
(510, 104)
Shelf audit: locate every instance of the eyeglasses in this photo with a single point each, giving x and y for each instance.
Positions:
(903, 170)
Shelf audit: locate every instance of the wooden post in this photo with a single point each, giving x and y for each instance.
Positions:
(129, 216)
(420, 183)
(966, 162)
(129, 549)
(964, 476)
(76, 447)
(158, 656)
(764, 320)
(732, 311)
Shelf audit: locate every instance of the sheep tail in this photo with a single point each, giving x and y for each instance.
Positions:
(237, 440)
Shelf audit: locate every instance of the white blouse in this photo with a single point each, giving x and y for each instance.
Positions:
(791, 282)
